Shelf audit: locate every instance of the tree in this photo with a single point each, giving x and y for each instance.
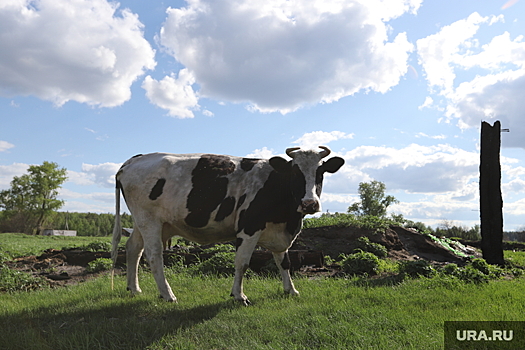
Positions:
(32, 198)
(373, 200)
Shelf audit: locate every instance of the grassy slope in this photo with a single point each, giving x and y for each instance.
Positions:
(330, 313)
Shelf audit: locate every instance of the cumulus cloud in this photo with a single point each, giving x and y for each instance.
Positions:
(4, 146)
(263, 153)
(313, 139)
(415, 168)
(88, 51)
(477, 82)
(173, 93)
(7, 172)
(100, 174)
(280, 55)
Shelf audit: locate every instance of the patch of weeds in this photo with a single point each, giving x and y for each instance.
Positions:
(97, 247)
(417, 268)
(100, 264)
(360, 263)
(220, 264)
(14, 281)
(219, 248)
(377, 249)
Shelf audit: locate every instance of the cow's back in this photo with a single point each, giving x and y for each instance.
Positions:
(197, 196)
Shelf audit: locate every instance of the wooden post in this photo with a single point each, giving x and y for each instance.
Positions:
(490, 199)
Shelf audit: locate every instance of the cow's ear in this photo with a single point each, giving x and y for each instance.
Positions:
(280, 164)
(333, 164)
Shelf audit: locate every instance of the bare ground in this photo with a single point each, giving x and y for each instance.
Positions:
(68, 267)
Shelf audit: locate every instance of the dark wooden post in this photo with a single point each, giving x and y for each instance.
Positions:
(490, 200)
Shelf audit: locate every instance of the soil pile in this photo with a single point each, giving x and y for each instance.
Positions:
(69, 266)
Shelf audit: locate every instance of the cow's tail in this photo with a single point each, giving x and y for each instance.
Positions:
(117, 228)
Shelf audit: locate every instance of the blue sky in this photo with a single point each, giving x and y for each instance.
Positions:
(397, 87)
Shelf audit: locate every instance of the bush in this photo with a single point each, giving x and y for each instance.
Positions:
(100, 264)
(417, 268)
(97, 247)
(377, 249)
(221, 264)
(13, 281)
(361, 263)
(472, 275)
(451, 269)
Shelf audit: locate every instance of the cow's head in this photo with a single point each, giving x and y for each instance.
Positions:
(305, 171)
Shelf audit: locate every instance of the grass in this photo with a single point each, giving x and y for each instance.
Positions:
(330, 313)
(19, 244)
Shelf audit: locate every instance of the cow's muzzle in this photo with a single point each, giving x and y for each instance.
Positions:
(309, 206)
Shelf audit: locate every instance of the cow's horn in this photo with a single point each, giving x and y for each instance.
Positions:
(326, 151)
(290, 150)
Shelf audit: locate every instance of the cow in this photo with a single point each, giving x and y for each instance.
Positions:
(208, 198)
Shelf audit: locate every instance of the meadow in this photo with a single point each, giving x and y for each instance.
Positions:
(330, 313)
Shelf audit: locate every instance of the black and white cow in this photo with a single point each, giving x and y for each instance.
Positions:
(210, 198)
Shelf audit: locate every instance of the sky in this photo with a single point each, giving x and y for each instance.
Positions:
(398, 88)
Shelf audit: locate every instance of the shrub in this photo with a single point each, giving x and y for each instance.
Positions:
(100, 264)
(13, 281)
(97, 247)
(451, 269)
(222, 264)
(481, 265)
(377, 249)
(417, 268)
(472, 275)
(361, 263)
(218, 249)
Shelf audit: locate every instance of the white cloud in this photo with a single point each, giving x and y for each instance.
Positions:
(263, 153)
(477, 82)
(87, 51)
(173, 93)
(7, 172)
(100, 175)
(438, 52)
(281, 55)
(315, 138)
(415, 168)
(4, 146)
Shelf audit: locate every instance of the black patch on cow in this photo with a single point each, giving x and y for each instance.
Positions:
(272, 203)
(330, 166)
(285, 264)
(156, 191)
(210, 186)
(225, 209)
(135, 156)
(241, 200)
(247, 164)
(238, 243)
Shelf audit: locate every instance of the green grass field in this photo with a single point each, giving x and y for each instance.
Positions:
(330, 313)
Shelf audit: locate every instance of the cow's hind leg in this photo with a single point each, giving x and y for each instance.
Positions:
(153, 252)
(134, 249)
(245, 246)
(282, 260)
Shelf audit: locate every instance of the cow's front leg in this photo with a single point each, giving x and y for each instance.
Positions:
(282, 260)
(245, 245)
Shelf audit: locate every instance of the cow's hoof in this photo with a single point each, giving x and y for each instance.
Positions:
(169, 299)
(245, 302)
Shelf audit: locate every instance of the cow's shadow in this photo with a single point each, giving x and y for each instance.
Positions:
(135, 324)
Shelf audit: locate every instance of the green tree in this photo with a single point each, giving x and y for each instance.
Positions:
(32, 198)
(373, 200)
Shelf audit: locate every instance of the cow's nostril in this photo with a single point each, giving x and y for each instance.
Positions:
(310, 206)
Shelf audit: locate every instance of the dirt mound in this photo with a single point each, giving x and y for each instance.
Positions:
(63, 267)
(402, 244)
